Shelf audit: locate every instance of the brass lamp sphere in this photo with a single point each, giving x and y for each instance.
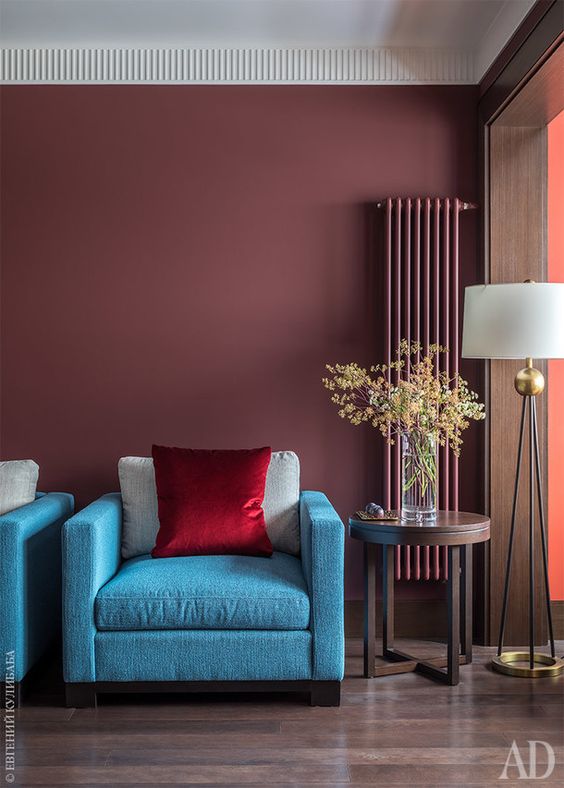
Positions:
(529, 382)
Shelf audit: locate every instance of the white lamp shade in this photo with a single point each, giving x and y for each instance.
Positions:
(523, 320)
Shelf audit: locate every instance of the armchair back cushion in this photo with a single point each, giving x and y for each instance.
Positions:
(140, 507)
(18, 483)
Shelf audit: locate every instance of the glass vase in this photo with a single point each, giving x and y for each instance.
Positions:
(419, 478)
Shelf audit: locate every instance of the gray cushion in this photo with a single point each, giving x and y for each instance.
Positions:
(282, 500)
(140, 507)
(18, 483)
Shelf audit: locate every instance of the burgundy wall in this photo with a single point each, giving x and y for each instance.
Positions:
(179, 263)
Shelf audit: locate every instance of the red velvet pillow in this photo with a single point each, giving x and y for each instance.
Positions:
(210, 502)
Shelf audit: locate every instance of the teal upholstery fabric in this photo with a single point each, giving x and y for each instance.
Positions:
(248, 593)
(205, 592)
(30, 578)
(91, 556)
(322, 550)
(200, 655)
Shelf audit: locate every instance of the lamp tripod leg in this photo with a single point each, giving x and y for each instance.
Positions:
(543, 532)
(512, 532)
(531, 534)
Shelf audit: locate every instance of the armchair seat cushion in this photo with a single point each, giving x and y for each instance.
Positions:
(205, 592)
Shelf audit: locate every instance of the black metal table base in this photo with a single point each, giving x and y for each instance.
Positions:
(459, 644)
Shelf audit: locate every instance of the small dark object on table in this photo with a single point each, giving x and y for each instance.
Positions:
(369, 518)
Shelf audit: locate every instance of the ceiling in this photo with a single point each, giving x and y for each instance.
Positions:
(479, 26)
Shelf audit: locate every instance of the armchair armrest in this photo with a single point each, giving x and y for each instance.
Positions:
(30, 577)
(322, 550)
(91, 557)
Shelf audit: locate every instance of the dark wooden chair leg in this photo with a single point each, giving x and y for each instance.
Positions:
(80, 695)
(325, 693)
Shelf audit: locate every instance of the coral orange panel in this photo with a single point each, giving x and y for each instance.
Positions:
(556, 368)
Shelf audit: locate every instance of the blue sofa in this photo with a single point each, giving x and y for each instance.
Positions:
(30, 585)
(202, 623)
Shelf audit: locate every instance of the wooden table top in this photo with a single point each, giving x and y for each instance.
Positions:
(450, 528)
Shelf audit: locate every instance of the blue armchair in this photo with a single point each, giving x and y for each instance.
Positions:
(30, 583)
(202, 623)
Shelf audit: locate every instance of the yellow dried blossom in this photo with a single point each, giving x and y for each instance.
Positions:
(411, 394)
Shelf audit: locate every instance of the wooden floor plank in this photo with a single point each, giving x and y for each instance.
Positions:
(441, 775)
(43, 713)
(369, 738)
(322, 755)
(173, 774)
(151, 725)
(70, 755)
(367, 707)
(405, 725)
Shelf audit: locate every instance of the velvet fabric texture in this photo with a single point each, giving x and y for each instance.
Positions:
(210, 502)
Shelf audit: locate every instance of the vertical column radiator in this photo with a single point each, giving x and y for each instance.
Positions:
(422, 298)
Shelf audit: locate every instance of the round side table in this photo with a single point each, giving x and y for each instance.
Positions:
(458, 531)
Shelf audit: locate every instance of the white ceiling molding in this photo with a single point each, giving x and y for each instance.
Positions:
(339, 66)
(499, 32)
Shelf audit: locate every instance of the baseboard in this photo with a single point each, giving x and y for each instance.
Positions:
(422, 618)
(414, 618)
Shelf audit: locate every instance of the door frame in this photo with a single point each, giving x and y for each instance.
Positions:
(507, 152)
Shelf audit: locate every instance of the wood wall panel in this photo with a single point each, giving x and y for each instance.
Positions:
(518, 159)
(523, 90)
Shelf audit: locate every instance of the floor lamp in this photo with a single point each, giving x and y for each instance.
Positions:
(520, 321)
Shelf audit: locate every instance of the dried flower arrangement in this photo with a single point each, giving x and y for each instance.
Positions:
(411, 398)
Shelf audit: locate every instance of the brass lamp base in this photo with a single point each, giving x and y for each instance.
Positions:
(529, 383)
(544, 664)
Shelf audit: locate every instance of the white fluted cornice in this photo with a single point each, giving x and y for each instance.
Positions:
(345, 66)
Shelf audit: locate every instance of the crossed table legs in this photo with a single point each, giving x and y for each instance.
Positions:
(459, 649)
